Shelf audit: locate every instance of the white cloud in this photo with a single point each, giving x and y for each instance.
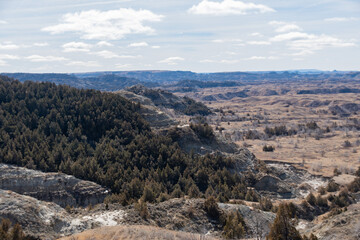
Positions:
(262, 58)
(122, 66)
(2, 63)
(84, 64)
(225, 61)
(207, 61)
(303, 53)
(287, 28)
(256, 34)
(341, 19)
(310, 42)
(226, 40)
(106, 54)
(256, 58)
(290, 36)
(156, 47)
(77, 47)
(228, 7)
(109, 54)
(139, 44)
(218, 40)
(8, 46)
(104, 44)
(9, 57)
(111, 25)
(172, 60)
(41, 44)
(284, 27)
(259, 43)
(3, 22)
(38, 58)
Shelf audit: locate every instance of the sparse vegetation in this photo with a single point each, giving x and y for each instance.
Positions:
(269, 148)
(283, 228)
(100, 137)
(8, 231)
(234, 226)
(211, 208)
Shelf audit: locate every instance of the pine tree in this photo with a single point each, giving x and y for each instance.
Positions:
(282, 228)
(234, 226)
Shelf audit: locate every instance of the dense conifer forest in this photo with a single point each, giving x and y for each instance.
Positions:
(100, 137)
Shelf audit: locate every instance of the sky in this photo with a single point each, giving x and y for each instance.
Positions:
(66, 36)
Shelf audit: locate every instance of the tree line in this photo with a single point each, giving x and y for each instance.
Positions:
(100, 137)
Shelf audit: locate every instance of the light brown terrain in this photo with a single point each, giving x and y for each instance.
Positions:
(135, 232)
(316, 150)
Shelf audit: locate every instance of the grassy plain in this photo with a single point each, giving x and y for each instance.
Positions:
(335, 143)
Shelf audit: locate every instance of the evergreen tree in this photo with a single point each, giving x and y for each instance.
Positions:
(282, 228)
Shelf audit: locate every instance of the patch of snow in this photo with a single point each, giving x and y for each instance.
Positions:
(107, 218)
(183, 126)
(316, 183)
(301, 225)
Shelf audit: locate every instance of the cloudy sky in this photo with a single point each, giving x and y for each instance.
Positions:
(196, 35)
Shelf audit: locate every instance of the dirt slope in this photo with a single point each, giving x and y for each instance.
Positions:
(135, 232)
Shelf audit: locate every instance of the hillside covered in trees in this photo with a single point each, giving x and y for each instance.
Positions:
(100, 137)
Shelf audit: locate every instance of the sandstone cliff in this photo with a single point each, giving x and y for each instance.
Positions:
(59, 188)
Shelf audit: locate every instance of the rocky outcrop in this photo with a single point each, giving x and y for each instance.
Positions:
(37, 218)
(273, 184)
(257, 222)
(59, 188)
(151, 113)
(345, 225)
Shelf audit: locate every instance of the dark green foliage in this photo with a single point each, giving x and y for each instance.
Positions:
(269, 148)
(148, 195)
(341, 200)
(311, 199)
(332, 186)
(9, 232)
(100, 137)
(347, 144)
(336, 172)
(202, 130)
(194, 108)
(265, 204)
(358, 172)
(354, 186)
(234, 226)
(279, 131)
(166, 99)
(312, 125)
(142, 208)
(251, 196)
(321, 190)
(321, 202)
(282, 228)
(211, 208)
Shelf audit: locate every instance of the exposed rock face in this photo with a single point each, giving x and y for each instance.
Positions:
(52, 187)
(273, 184)
(150, 112)
(345, 225)
(37, 218)
(189, 141)
(46, 220)
(258, 222)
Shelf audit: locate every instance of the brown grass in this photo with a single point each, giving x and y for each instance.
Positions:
(320, 156)
(135, 232)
